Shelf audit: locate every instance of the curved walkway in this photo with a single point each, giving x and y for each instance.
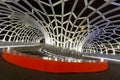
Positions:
(12, 72)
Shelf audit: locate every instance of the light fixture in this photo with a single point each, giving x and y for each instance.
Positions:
(82, 27)
(118, 46)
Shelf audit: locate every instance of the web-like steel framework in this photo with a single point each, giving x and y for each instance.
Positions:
(90, 26)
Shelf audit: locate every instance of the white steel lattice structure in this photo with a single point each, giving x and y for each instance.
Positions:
(90, 26)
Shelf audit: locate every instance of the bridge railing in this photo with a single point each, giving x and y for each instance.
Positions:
(17, 44)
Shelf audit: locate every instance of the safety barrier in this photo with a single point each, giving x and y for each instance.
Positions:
(40, 64)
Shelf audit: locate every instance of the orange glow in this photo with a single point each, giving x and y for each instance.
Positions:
(54, 66)
(82, 27)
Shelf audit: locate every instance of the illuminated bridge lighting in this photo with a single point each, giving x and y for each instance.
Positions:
(65, 28)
